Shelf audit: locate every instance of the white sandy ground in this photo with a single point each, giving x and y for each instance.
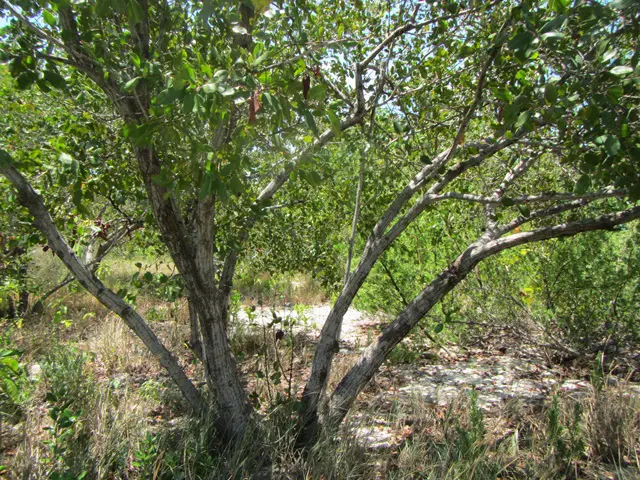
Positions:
(495, 377)
(354, 323)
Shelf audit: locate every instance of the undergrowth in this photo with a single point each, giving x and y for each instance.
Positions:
(99, 406)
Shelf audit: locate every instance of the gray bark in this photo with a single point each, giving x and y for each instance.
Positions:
(195, 266)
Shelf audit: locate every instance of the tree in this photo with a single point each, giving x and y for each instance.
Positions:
(224, 103)
(36, 124)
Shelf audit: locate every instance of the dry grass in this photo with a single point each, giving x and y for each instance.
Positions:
(118, 350)
(277, 289)
(612, 425)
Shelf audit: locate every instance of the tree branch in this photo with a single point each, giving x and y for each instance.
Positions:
(523, 199)
(376, 244)
(373, 356)
(43, 221)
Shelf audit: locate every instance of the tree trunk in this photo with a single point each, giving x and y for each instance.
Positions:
(373, 356)
(194, 338)
(222, 373)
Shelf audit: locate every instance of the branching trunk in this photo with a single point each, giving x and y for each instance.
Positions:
(195, 264)
(377, 243)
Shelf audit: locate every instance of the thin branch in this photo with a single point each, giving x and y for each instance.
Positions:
(547, 212)
(398, 32)
(524, 199)
(499, 39)
(356, 211)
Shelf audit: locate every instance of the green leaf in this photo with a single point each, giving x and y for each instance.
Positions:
(25, 80)
(55, 79)
(521, 41)
(522, 119)
(624, 130)
(334, 121)
(49, 18)
(319, 92)
(239, 29)
(77, 194)
(11, 363)
(209, 88)
(600, 140)
(582, 185)
(438, 328)
(558, 5)
(609, 54)
(168, 96)
(236, 185)
(65, 159)
(135, 59)
(524, 210)
(614, 93)
(258, 61)
(554, 24)
(311, 122)
(226, 91)
(502, 94)
(508, 202)
(552, 36)
(221, 75)
(550, 93)
(592, 159)
(314, 178)
(131, 84)
(612, 145)
(621, 70)
(189, 103)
